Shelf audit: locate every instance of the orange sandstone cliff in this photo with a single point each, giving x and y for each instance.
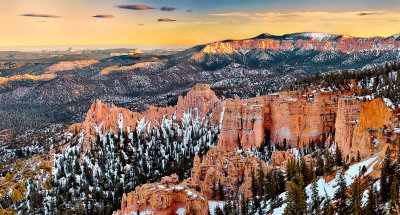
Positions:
(297, 117)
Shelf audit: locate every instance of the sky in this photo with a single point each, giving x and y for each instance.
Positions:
(186, 22)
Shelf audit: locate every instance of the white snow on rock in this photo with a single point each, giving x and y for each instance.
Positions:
(212, 205)
(180, 211)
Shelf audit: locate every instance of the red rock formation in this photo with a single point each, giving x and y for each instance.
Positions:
(344, 44)
(102, 118)
(163, 198)
(281, 159)
(243, 119)
(295, 116)
(363, 126)
(347, 117)
(220, 167)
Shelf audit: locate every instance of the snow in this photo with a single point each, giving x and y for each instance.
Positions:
(180, 211)
(212, 205)
(190, 193)
(350, 175)
(375, 142)
(147, 212)
(319, 36)
(389, 103)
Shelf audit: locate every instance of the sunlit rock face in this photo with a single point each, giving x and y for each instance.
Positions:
(306, 41)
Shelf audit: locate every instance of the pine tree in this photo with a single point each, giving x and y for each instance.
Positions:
(218, 211)
(327, 206)
(228, 208)
(338, 156)
(244, 208)
(356, 197)
(329, 163)
(371, 207)
(386, 177)
(239, 143)
(341, 195)
(394, 196)
(315, 206)
(358, 156)
(296, 199)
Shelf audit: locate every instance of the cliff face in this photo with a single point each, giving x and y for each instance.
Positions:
(347, 116)
(309, 41)
(244, 120)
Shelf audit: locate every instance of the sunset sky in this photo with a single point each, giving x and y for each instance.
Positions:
(186, 22)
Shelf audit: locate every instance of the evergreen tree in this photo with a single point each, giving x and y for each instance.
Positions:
(341, 195)
(329, 162)
(218, 211)
(239, 143)
(228, 208)
(386, 177)
(244, 208)
(327, 206)
(371, 207)
(338, 156)
(296, 199)
(319, 170)
(315, 206)
(394, 196)
(356, 197)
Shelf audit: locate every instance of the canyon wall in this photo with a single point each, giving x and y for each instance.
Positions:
(295, 117)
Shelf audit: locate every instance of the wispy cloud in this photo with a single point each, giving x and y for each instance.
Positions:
(240, 14)
(135, 7)
(104, 16)
(166, 20)
(189, 11)
(39, 15)
(166, 8)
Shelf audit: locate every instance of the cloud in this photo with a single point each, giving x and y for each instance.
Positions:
(189, 11)
(103, 16)
(135, 7)
(366, 13)
(39, 15)
(140, 24)
(241, 14)
(165, 8)
(166, 20)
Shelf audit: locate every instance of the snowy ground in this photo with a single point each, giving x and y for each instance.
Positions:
(350, 175)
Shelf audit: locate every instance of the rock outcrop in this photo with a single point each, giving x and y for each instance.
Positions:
(102, 118)
(219, 170)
